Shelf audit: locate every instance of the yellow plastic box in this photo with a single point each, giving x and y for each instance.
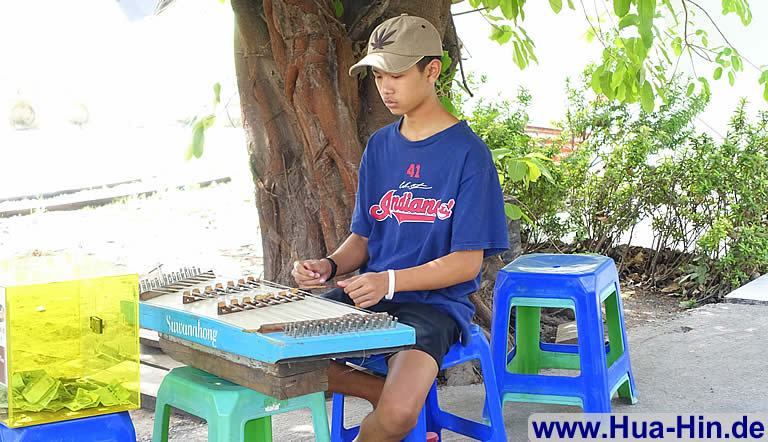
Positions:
(69, 340)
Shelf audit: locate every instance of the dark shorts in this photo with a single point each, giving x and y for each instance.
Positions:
(436, 330)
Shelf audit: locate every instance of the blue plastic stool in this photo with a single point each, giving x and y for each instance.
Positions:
(114, 427)
(432, 418)
(580, 282)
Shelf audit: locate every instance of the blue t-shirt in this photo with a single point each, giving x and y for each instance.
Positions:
(421, 200)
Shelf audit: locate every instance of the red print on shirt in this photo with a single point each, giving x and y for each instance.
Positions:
(406, 208)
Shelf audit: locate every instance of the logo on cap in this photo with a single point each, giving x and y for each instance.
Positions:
(380, 38)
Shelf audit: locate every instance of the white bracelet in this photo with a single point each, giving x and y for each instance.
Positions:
(391, 291)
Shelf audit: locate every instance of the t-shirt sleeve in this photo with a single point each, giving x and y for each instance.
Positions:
(479, 221)
(361, 222)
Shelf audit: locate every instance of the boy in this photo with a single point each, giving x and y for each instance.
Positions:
(429, 208)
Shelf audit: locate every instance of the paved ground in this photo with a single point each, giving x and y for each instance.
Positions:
(710, 359)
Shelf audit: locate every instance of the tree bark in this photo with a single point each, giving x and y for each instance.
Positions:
(306, 119)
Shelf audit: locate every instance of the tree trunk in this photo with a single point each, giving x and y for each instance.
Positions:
(306, 119)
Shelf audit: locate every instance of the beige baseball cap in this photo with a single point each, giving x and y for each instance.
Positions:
(399, 43)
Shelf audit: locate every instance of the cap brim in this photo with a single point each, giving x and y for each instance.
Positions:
(391, 63)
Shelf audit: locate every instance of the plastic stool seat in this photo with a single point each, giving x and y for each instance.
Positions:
(234, 413)
(432, 418)
(113, 427)
(579, 282)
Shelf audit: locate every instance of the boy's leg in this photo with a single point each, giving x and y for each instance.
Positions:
(410, 377)
(353, 382)
(347, 380)
(398, 400)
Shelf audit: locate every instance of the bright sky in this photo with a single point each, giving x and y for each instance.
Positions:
(153, 71)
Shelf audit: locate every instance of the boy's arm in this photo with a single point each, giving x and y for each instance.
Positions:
(457, 267)
(350, 256)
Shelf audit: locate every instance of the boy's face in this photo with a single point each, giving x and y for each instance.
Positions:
(404, 91)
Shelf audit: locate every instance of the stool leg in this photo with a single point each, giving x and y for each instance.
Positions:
(617, 336)
(502, 306)
(594, 367)
(493, 403)
(419, 432)
(337, 418)
(319, 417)
(162, 421)
(259, 430)
(614, 328)
(527, 338)
(433, 411)
(220, 430)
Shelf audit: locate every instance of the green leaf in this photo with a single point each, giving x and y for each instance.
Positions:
(216, 93)
(508, 9)
(500, 153)
(448, 105)
(446, 62)
(543, 168)
(198, 140)
(736, 62)
(691, 303)
(621, 7)
(646, 10)
(718, 73)
(513, 211)
(647, 35)
(763, 77)
(475, 3)
(629, 20)
(765, 92)
(538, 155)
(501, 34)
(618, 76)
(518, 57)
(589, 35)
(691, 88)
(605, 85)
(208, 121)
(621, 92)
(705, 85)
(731, 78)
(338, 8)
(646, 100)
(665, 53)
(557, 5)
(677, 46)
(570, 5)
(533, 171)
(595, 83)
(517, 170)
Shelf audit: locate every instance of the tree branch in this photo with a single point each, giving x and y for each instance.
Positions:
(359, 28)
(597, 34)
(469, 12)
(720, 32)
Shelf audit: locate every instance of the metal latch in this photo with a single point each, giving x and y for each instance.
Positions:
(97, 325)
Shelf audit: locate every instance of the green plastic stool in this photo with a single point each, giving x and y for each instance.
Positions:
(233, 413)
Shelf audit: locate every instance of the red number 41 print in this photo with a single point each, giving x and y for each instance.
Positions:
(414, 170)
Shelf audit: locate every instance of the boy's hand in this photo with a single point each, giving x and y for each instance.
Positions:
(366, 290)
(311, 272)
